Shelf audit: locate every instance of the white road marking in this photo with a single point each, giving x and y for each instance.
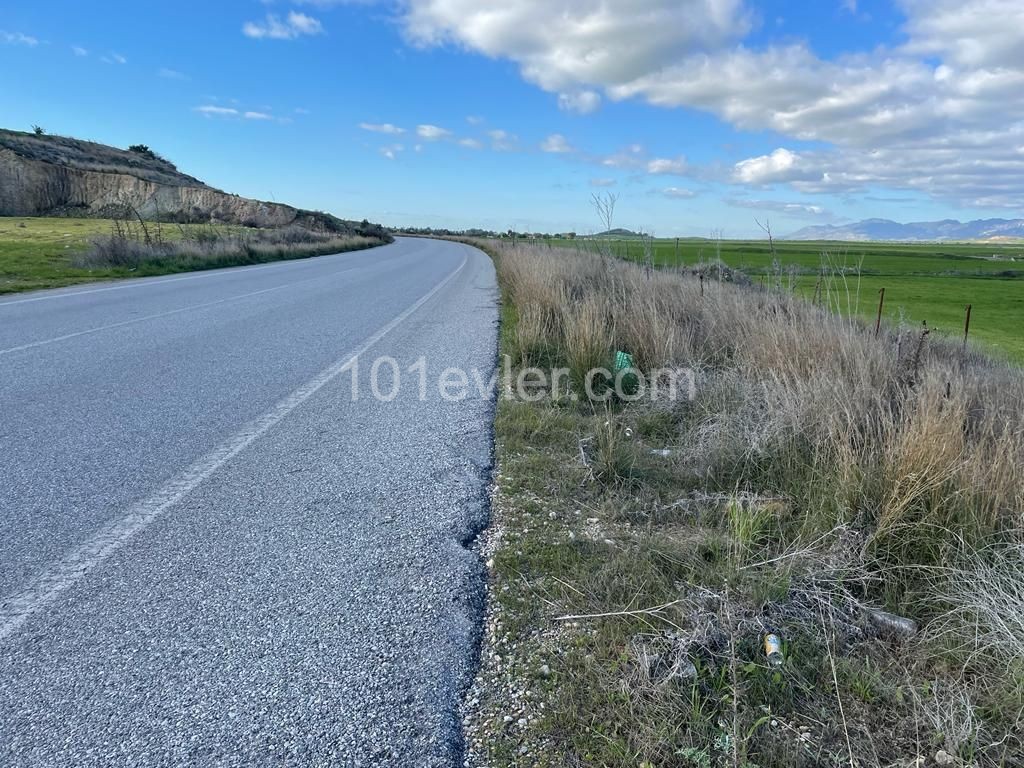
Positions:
(16, 609)
(158, 315)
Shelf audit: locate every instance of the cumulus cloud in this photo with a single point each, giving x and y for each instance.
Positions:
(392, 151)
(561, 44)
(471, 143)
(388, 128)
(667, 166)
(580, 102)
(432, 132)
(79, 50)
(940, 112)
(273, 27)
(780, 165)
(18, 38)
(556, 143)
(257, 116)
(678, 193)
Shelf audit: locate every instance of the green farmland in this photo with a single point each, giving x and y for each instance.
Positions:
(930, 282)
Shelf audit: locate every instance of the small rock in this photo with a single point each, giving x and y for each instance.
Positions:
(942, 757)
(545, 670)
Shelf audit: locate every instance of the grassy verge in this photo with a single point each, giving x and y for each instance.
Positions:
(38, 253)
(858, 497)
(924, 282)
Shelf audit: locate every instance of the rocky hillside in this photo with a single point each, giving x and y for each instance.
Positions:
(60, 176)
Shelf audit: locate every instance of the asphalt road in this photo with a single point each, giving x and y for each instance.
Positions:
(211, 551)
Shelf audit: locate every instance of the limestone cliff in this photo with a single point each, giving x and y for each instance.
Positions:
(59, 176)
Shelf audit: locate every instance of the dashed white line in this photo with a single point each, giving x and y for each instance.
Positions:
(16, 609)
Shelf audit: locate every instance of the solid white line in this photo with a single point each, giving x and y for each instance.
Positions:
(158, 315)
(16, 609)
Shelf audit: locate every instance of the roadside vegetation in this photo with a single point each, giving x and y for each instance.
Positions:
(40, 253)
(858, 495)
(923, 282)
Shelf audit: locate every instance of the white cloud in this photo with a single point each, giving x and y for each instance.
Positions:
(392, 151)
(471, 143)
(171, 74)
(580, 102)
(294, 25)
(562, 44)
(79, 50)
(668, 166)
(940, 112)
(678, 193)
(602, 182)
(475, 120)
(798, 210)
(113, 58)
(394, 130)
(780, 165)
(432, 132)
(18, 38)
(211, 110)
(556, 143)
(502, 141)
(257, 116)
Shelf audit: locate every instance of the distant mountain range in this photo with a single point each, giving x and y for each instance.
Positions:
(948, 229)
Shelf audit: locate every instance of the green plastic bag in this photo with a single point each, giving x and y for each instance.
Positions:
(630, 382)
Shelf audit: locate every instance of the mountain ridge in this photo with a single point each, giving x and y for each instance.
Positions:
(982, 230)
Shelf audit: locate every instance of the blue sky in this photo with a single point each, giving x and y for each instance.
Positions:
(702, 115)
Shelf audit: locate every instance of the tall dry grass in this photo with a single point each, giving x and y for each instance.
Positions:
(138, 246)
(914, 442)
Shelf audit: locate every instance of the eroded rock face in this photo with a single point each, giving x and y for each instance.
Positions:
(30, 187)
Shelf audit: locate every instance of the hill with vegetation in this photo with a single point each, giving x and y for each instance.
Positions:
(43, 175)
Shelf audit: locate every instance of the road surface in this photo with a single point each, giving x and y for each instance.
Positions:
(214, 550)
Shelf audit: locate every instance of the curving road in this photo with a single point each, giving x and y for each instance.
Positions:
(211, 551)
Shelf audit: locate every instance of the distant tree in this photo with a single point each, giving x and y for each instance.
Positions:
(38, 130)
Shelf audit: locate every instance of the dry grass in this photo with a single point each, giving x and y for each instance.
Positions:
(820, 473)
(134, 246)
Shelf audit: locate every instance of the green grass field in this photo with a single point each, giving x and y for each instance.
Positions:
(38, 253)
(930, 283)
